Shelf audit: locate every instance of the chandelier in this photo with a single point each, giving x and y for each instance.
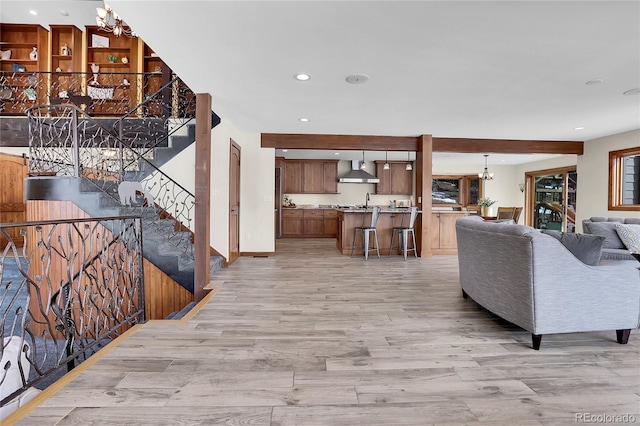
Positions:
(109, 20)
(485, 175)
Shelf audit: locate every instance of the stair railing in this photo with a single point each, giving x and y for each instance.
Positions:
(66, 141)
(72, 287)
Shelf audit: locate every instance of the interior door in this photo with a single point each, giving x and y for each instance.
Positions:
(13, 171)
(234, 202)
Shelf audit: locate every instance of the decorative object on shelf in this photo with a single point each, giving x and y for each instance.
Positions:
(113, 59)
(109, 20)
(32, 80)
(485, 175)
(70, 68)
(31, 93)
(125, 82)
(63, 94)
(409, 166)
(288, 202)
(58, 69)
(158, 70)
(34, 54)
(485, 203)
(99, 41)
(5, 54)
(18, 68)
(100, 92)
(95, 69)
(125, 60)
(6, 93)
(64, 50)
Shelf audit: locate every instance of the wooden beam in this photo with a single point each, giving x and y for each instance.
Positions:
(203, 196)
(410, 143)
(424, 173)
(507, 146)
(354, 142)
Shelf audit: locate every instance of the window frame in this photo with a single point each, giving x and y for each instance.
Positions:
(615, 179)
(465, 189)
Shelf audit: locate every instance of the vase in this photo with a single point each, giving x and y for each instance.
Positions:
(485, 210)
(34, 54)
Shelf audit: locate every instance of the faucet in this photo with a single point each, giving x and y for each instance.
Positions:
(366, 203)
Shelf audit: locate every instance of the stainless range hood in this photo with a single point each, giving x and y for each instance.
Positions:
(356, 175)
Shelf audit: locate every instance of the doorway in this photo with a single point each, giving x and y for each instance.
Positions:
(13, 171)
(234, 202)
(551, 199)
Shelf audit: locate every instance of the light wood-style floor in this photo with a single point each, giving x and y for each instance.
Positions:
(310, 337)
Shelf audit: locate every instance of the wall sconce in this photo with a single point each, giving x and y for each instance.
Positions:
(521, 185)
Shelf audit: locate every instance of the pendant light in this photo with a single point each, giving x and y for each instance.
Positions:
(409, 166)
(485, 175)
(363, 166)
(386, 162)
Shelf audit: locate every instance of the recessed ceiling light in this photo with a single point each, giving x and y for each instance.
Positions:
(33, 12)
(64, 13)
(632, 91)
(594, 81)
(304, 120)
(357, 78)
(285, 150)
(578, 128)
(302, 77)
(336, 153)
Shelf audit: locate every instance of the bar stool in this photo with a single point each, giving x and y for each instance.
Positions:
(365, 234)
(403, 235)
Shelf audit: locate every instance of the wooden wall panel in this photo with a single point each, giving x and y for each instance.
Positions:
(163, 295)
(13, 170)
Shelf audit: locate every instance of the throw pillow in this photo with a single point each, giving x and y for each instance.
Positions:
(607, 230)
(630, 236)
(585, 247)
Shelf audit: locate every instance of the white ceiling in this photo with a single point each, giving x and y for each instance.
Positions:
(476, 69)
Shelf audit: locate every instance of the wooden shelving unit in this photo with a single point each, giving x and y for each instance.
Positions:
(20, 39)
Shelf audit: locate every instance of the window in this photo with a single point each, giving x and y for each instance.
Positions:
(455, 190)
(624, 179)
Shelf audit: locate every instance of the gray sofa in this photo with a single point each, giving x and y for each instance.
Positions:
(531, 280)
(612, 249)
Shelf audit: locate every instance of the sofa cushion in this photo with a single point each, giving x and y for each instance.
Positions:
(630, 236)
(607, 230)
(587, 248)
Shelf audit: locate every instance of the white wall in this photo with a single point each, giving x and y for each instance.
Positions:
(257, 173)
(593, 176)
(15, 151)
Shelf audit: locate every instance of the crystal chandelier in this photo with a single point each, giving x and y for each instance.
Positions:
(109, 20)
(485, 175)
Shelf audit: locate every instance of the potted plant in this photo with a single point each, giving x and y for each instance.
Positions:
(113, 59)
(485, 203)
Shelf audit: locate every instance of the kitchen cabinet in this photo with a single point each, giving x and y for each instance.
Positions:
(310, 176)
(396, 180)
(443, 232)
(309, 223)
(292, 222)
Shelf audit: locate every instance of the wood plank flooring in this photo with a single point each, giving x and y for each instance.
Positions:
(311, 337)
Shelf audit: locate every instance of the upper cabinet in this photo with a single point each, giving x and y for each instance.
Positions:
(24, 50)
(310, 176)
(396, 180)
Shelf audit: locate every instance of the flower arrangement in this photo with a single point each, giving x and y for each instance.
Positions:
(288, 202)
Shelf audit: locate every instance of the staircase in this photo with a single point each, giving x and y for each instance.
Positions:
(138, 146)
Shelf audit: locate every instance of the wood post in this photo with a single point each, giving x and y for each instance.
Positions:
(424, 172)
(202, 193)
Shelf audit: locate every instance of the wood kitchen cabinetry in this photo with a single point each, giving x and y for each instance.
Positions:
(309, 223)
(396, 180)
(443, 232)
(310, 176)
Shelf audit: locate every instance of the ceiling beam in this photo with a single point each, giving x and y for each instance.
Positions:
(410, 143)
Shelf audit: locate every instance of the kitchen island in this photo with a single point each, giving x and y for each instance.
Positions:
(443, 231)
(349, 219)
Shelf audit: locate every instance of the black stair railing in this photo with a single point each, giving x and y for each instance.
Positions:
(72, 287)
